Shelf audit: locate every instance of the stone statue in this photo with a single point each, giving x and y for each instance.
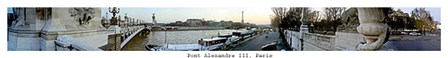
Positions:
(119, 20)
(105, 22)
(373, 27)
(126, 19)
(21, 19)
(154, 18)
(84, 15)
(349, 21)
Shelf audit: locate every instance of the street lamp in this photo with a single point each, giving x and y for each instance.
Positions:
(312, 27)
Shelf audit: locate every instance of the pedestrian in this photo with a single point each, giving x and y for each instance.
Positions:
(266, 36)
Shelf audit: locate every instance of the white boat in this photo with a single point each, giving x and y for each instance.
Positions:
(232, 39)
(204, 44)
(213, 43)
(180, 47)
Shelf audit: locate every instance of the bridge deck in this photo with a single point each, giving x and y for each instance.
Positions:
(130, 37)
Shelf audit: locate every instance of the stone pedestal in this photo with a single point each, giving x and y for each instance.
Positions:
(305, 21)
(115, 28)
(304, 28)
(113, 42)
(347, 41)
(372, 28)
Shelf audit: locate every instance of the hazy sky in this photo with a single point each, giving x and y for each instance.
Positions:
(257, 15)
(166, 15)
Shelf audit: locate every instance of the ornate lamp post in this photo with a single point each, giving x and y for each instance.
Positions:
(303, 26)
(312, 27)
(115, 20)
(114, 12)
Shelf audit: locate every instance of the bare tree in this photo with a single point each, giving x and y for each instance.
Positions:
(293, 16)
(314, 16)
(296, 12)
(280, 11)
(275, 21)
(423, 19)
(334, 13)
(420, 13)
(279, 14)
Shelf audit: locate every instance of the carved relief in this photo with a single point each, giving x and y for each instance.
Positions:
(349, 21)
(20, 17)
(82, 15)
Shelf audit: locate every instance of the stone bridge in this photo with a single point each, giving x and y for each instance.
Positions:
(119, 40)
(70, 29)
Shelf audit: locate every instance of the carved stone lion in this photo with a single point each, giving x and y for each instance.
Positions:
(349, 21)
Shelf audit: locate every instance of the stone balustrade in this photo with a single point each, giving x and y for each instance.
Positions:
(310, 41)
(322, 42)
(117, 40)
(317, 42)
(342, 41)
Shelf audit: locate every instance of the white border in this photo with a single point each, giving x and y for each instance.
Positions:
(226, 3)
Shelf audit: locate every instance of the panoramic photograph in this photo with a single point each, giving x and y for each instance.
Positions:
(223, 29)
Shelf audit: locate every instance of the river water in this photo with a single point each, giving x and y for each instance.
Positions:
(183, 37)
(173, 37)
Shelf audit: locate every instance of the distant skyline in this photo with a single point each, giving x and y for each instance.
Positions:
(167, 15)
(256, 15)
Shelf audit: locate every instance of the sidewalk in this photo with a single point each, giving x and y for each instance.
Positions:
(256, 43)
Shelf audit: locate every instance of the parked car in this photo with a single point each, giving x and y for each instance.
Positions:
(415, 34)
(269, 47)
(404, 33)
(275, 46)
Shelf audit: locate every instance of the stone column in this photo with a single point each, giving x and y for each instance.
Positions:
(372, 27)
(305, 21)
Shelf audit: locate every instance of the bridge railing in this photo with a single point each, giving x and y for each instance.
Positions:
(325, 42)
(310, 41)
(116, 40)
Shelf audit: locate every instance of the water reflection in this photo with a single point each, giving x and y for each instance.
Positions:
(183, 37)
